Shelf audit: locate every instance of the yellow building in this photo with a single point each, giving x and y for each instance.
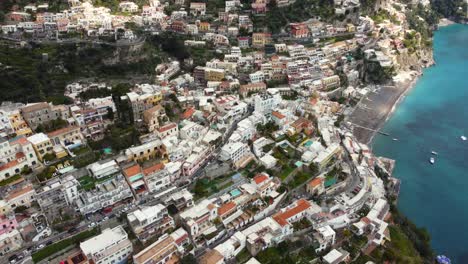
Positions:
(153, 117)
(41, 144)
(19, 125)
(204, 26)
(154, 99)
(260, 39)
(350, 28)
(215, 75)
(66, 136)
(151, 150)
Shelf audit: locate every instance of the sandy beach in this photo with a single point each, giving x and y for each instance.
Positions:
(445, 22)
(377, 106)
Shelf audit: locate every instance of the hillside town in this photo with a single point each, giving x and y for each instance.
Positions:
(265, 145)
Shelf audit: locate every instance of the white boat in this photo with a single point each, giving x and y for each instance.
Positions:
(434, 153)
(432, 160)
(395, 139)
(463, 138)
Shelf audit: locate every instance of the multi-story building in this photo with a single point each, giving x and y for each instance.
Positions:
(129, 7)
(165, 249)
(170, 129)
(264, 234)
(256, 77)
(316, 186)
(151, 150)
(8, 223)
(199, 218)
(104, 195)
(41, 144)
(299, 30)
(154, 117)
(150, 221)
(198, 157)
(260, 39)
(103, 169)
(18, 124)
(157, 177)
(212, 74)
(66, 136)
(58, 195)
(10, 241)
(236, 152)
(11, 120)
(136, 180)
(42, 113)
(331, 82)
(265, 103)
(112, 246)
(22, 196)
(295, 212)
(181, 199)
(247, 89)
(140, 103)
(264, 184)
(16, 154)
(197, 8)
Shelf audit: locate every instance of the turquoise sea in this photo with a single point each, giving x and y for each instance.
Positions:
(433, 116)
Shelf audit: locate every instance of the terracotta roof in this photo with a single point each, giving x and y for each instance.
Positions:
(62, 131)
(188, 113)
(17, 193)
(282, 218)
(211, 257)
(316, 182)
(8, 165)
(19, 140)
(34, 107)
(152, 169)
(225, 208)
(133, 170)
(19, 155)
(167, 127)
(278, 115)
(259, 178)
(366, 220)
(211, 206)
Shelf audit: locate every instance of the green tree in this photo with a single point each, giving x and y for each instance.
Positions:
(189, 259)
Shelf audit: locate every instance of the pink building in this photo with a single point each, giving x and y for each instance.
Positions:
(7, 223)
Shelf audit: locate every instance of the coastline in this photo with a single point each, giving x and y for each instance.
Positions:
(408, 86)
(378, 105)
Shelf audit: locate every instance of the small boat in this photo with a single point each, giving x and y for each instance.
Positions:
(395, 139)
(434, 153)
(441, 259)
(463, 138)
(432, 160)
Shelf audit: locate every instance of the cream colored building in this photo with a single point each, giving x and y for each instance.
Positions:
(41, 144)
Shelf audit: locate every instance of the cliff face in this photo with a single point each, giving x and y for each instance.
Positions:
(414, 61)
(126, 55)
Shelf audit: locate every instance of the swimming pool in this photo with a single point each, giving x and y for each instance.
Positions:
(235, 192)
(308, 143)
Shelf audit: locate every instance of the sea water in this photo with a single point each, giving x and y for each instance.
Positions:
(432, 117)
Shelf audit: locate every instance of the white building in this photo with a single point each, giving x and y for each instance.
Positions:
(257, 76)
(104, 194)
(149, 221)
(10, 241)
(325, 237)
(198, 218)
(266, 102)
(238, 153)
(111, 246)
(103, 169)
(163, 250)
